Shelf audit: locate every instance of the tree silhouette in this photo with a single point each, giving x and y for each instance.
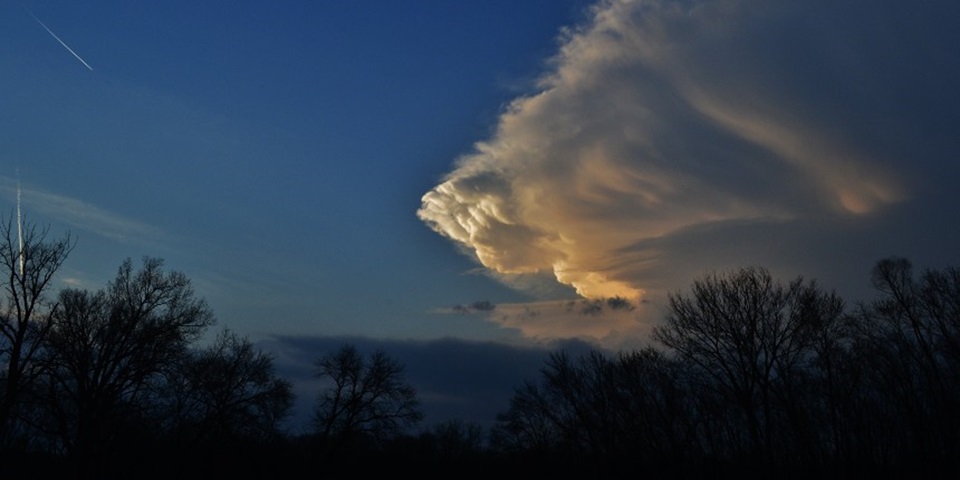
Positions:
(28, 262)
(750, 339)
(109, 352)
(228, 390)
(910, 357)
(619, 412)
(456, 440)
(365, 399)
(746, 372)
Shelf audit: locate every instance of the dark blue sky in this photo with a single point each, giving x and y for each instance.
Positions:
(432, 173)
(276, 153)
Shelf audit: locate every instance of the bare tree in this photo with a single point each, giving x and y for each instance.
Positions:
(455, 440)
(617, 410)
(109, 349)
(909, 346)
(575, 397)
(364, 398)
(750, 338)
(228, 390)
(29, 262)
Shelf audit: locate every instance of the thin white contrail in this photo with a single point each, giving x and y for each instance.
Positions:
(20, 226)
(58, 39)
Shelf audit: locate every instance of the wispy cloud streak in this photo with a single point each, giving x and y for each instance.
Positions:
(81, 215)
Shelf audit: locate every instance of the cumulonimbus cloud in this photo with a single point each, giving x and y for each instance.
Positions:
(666, 127)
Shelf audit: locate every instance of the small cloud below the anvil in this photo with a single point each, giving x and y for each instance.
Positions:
(478, 306)
(594, 306)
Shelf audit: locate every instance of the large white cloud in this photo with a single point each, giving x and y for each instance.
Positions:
(673, 137)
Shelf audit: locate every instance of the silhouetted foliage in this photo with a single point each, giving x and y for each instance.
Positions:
(907, 356)
(28, 262)
(746, 375)
(456, 439)
(761, 377)
(109, 351)
(365, 400)
(751, 341)
(227, 391)
(616, 412)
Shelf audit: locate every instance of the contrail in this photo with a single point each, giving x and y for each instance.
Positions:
(58, 38)
(20, 226)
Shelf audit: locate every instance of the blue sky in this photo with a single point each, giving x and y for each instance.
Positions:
(421, 174)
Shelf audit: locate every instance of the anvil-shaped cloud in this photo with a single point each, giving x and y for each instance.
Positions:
(671, 137)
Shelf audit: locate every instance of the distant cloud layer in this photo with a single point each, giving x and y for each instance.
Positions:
(456, 380)
(672, 137)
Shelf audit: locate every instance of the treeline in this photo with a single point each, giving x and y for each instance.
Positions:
(752, 375)
(112, 383)
(746, 375)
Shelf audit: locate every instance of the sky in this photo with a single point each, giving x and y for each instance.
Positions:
(471, 185)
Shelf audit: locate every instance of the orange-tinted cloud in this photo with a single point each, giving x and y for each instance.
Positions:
(676, 137)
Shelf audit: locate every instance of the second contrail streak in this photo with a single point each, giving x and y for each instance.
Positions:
(58, 39)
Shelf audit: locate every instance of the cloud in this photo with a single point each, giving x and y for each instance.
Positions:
(614, 323)
(478, 306)
(455, 379)
(670, 138)
(80, 215)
